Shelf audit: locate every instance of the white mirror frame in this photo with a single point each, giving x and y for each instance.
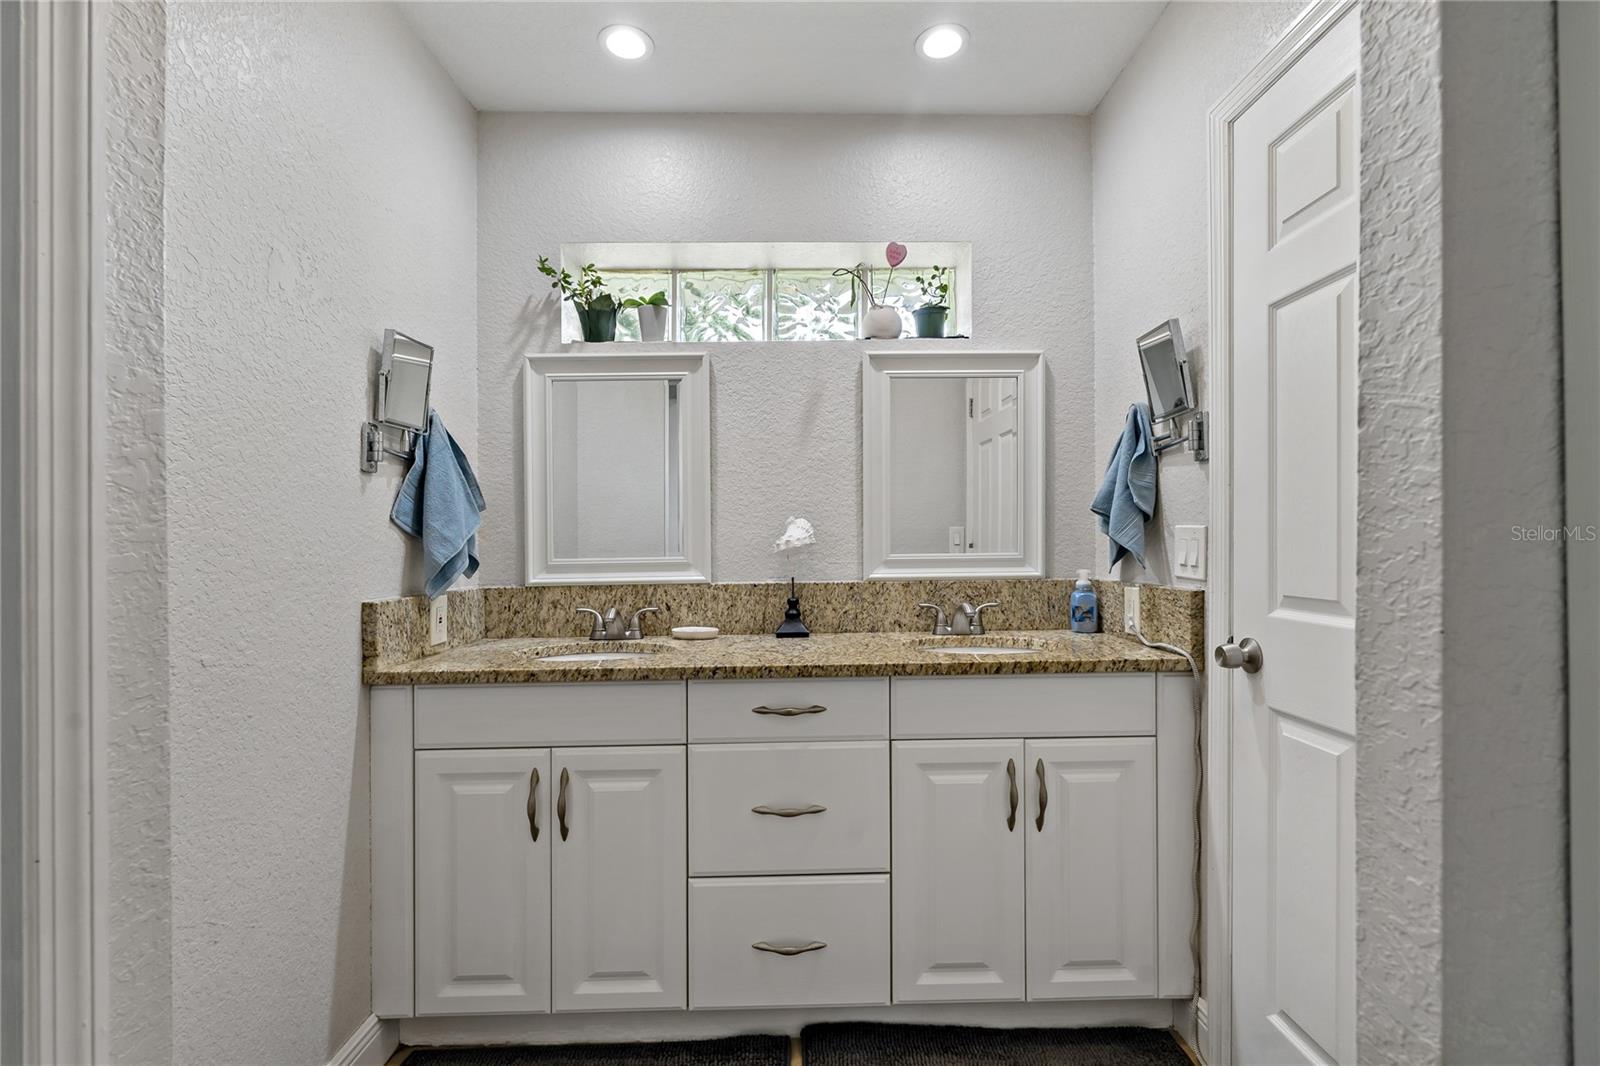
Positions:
(692, 372)
(878, 370)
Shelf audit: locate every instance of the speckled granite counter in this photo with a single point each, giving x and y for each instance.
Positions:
(518, 660)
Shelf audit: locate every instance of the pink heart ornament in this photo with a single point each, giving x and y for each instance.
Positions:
(895, 253)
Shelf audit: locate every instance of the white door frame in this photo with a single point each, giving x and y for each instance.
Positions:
(61, 534)
(1214, 1011)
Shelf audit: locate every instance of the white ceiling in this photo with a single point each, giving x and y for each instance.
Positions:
(848, 56)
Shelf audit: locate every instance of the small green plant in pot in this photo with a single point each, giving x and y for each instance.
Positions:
(653, 311)
(597, 309)
(934, 310)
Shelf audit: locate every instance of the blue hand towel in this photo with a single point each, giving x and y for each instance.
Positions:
(439, 503)
(1127, 496)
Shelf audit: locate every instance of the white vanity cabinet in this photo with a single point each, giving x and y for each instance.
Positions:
(840, 843)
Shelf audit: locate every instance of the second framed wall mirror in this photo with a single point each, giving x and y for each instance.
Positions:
(618, 468)
(952, 464)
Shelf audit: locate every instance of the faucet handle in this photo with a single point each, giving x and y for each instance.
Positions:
(941, 628)
(598, 630)
(976, 614)
(634, 632)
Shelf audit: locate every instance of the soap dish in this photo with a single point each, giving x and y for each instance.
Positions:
(695, 632)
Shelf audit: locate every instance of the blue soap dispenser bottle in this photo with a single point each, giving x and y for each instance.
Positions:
(1084, 606)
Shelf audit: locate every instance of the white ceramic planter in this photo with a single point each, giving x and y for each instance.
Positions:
(882, 323)
(653, 322)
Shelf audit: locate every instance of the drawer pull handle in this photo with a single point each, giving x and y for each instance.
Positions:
(1011, 774)
(788, 949)
(1044, 795)
(788, 712)
(533, 804)
(561, 804)
(788, 812)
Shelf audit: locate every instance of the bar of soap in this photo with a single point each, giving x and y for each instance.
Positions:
(695, 632)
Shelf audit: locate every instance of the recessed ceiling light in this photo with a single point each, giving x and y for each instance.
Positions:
(942, 42)
(627, 42)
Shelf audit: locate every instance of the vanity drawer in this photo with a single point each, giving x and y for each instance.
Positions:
(1024, 705)
(727, 781)
(847, 915)
(815, 708)
(554, 715)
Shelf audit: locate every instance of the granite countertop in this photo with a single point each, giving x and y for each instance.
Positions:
(754, 656)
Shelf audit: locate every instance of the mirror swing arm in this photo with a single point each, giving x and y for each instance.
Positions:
(374, 433)
(1169, 390)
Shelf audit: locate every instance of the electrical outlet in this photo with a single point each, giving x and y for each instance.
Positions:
(1189, 552)
(1130, 609)
(439, 619)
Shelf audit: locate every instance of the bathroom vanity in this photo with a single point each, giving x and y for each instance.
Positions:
(862, 823)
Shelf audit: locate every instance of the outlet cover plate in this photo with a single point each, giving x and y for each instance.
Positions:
(1130, 608)
(1189, 552)
(439, 619)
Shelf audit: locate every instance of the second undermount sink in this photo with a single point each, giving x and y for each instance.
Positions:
(597, 652)
(595, 656)
(983, 646)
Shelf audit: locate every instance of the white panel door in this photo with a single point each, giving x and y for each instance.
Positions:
(621, 906)
(994, 472)
(1091, 831)
(483, 835)
(958, 866)
(1295, 240)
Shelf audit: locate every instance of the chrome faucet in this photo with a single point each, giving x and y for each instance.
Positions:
(609, 626)
(968, 619)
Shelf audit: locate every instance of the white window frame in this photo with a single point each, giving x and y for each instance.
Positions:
(679, 259)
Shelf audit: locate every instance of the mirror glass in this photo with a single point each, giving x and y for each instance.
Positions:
(406, 397)
(1161, 352)
(615, 469)
(954, 473)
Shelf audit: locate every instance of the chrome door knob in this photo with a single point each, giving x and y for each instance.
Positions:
(1245, 655)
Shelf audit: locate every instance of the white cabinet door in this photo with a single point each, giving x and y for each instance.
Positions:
(484, 827)
(1091, 829)
(621, 906)
(958, 864)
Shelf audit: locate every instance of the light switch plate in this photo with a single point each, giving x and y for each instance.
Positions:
(958, 540)
(439, 619)
(1189, 552)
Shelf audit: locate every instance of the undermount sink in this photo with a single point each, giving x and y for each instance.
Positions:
(976, 649)
(607, 652)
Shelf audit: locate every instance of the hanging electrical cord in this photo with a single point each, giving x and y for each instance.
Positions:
(1195, 945)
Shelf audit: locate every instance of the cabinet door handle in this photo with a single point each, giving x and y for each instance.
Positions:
(561, 804)
(533, 804)
(1011, 775)
(1044, 795)
(788, 812)
(789, 712)
(788, 949)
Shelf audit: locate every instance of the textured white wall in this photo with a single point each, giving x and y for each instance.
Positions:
(1460, 794)
(786, 417)
(140, 892)
(320, 186)
(1151, 216)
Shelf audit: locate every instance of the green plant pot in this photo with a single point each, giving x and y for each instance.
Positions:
(930, 320)
(599, 324)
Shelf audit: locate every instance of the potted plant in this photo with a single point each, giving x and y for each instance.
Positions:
(597, 309)
(881, 322)
(934, 311)
(652, 315)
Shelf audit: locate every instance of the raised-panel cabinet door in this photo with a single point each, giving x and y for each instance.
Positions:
(621, 903)
(957, 837)
(483, 835)
(1091, 825)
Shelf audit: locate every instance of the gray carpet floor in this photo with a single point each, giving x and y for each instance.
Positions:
(732, 1051)
(868, 1044)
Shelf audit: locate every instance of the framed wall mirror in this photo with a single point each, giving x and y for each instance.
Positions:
(952, 464)
(618, 468)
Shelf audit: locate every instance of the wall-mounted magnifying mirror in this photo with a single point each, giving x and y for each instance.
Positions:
(618, 468)
(952, 446)
(400, 402)
(1166, 371)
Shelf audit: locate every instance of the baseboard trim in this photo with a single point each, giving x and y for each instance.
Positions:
(372, 1044)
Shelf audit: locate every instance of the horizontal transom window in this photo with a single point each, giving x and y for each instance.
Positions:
(769, 291)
